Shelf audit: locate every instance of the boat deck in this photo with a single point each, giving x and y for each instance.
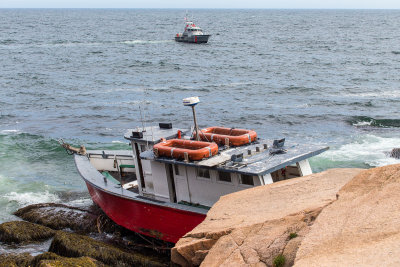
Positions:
(97, 180)
(126, 180)
(257, 159)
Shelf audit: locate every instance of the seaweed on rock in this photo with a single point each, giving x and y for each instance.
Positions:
(11, 260)
(23, 232)
(74, 245)
(59, 217)
(48, 259)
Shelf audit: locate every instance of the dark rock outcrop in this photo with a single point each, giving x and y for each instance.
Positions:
(47, 259)
(22, 232)
(59, 217)
(122, 248)
(74, 245)
(395, 153)
(50, 259)
(15, 260)
(70, 262)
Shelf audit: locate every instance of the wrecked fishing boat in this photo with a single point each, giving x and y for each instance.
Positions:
(164, 186)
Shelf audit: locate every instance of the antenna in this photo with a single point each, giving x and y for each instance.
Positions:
(192, 102)
(144, 117)
(141, 118)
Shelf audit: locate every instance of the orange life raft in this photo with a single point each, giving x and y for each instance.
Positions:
(176, 148)
(236, 137)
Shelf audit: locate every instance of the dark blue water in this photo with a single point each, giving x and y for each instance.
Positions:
(328, 77)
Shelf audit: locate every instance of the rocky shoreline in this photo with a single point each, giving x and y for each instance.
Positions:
(340, 217)
(77, 237)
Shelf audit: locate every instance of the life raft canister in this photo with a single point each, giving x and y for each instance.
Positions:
(176, 148)
(236, 137)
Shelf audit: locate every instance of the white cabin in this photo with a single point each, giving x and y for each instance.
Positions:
(202, 183)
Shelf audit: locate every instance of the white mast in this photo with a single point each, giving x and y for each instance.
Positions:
(191, 102)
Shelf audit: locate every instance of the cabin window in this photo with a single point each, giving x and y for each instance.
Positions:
(203, 173)
(176, 167)
(246, 179)
(142, 148)
(224, 177)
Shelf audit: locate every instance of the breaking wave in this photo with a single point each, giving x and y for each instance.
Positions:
(146, 41)
(9, 131)
(364, 152)
(29, 198)
(363, 121)
(81, 202)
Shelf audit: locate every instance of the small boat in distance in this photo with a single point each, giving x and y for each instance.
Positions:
(192, 34)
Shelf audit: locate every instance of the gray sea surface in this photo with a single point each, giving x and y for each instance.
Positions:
(315, 76)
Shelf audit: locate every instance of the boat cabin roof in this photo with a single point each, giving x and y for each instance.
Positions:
(190, 24)
(153, 134)
(252, 159)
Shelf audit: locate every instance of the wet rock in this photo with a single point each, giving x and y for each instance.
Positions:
(21, 232)
(70, 262)
(91, 220)
(395, 153)
(47, 259)
(45, 256)
(74, 245)
(50, 259)
(361, 228)
(59, 217)
(11, 260)
(254, 226)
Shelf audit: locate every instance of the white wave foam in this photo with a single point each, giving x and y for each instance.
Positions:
(306, 105)
(368, 149)
(31, 248)
(378, 94)
(82, 202)
(45, 45)
(145, 41)
(10, 131)
(135, 89)
(362, 123)
(235, 84)
(117, 142)
(29, 198)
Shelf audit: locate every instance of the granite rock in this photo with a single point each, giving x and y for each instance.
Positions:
(252, 227)
(361, 228)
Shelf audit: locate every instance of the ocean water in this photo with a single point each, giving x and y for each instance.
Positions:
(316, 76)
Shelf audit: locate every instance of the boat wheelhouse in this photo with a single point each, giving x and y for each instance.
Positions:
(165, 195)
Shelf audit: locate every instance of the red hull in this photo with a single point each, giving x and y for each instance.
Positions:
(164, 223)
